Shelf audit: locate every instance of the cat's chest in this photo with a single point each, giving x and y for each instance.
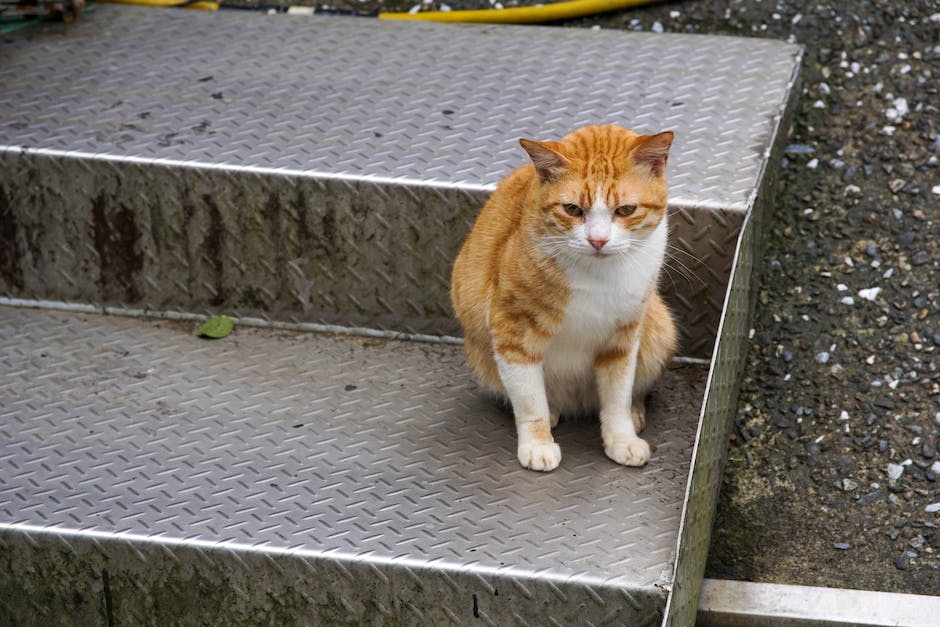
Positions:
(602, 297)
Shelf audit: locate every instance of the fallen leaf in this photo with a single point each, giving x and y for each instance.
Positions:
(216, 328)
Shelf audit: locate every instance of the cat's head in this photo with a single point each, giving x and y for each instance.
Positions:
(602, 189)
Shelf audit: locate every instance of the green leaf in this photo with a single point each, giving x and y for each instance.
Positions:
(216, 328)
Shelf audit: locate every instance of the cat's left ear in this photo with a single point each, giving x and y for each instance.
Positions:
(549, 162)
(653, 151)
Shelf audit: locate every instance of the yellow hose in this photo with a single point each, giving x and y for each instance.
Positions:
(206, 5)
(522, 15)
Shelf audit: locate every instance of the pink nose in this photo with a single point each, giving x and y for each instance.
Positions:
(597, 243)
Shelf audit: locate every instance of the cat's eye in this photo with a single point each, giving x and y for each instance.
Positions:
(625, 210)
(573, 210)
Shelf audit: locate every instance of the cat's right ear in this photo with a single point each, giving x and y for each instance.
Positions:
(549, 162)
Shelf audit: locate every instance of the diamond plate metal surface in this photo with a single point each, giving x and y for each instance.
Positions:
(340, 195)
(133, 445)
(425, 103)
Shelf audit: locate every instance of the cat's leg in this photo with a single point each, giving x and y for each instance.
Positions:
(657, 346)
(525, 385)
(615, 369)
(638, 412)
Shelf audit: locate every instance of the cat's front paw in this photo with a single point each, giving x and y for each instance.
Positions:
(540, 456)
(635, 452)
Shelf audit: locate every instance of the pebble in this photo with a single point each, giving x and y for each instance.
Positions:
(822, 357)
(933, 507)
(896, 184)
(844, 546)
(799, 149)
(920, 258)
(900, 563)
(900, 105)
(870, 293)
(868, 498)
(848, 485)
(847, 300)
(657, 27)
(895, 471)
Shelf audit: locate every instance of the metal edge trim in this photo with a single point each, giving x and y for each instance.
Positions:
(791, 96)
(306, 327)
(679, 203)
(367, 559)
(248, 322)
(725, 603)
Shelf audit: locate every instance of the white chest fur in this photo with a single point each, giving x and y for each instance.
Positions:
(605, 292)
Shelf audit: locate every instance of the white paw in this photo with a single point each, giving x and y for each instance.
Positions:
(539, 456)
(635, 452)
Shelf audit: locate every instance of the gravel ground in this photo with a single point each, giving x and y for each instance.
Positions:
(832, 477)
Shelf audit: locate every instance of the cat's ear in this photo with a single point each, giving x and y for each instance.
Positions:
(549, 162)
(653, 151)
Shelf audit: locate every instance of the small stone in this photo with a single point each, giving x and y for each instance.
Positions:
(933, 507)
(847, 300)
(920, 258)
(917, 542)
(799, 149)
(812, 164)
(842, 546)
(822, 357)
(935, 338)
(895, 471)
(929, 451)
(871, 250)
(868, 498)
(848, 485)
(900, 104)
(900, 563)
(657, 27)
(896, 185)
(870, 293)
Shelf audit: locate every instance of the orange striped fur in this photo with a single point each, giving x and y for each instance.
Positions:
(556, 288)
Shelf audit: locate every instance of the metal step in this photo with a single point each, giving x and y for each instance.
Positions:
(308, 468)
(317, 172)
(329, 175)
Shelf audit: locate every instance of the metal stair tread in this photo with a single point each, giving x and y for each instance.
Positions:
(349, 447)
(426, 104)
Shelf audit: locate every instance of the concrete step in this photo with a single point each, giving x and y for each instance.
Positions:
(309, 173)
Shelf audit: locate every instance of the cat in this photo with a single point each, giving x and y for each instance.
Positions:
(556, 289)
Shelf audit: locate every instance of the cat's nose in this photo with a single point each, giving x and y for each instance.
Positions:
(597, 243)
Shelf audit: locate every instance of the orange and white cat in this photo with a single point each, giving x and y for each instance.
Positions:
(556, 288)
